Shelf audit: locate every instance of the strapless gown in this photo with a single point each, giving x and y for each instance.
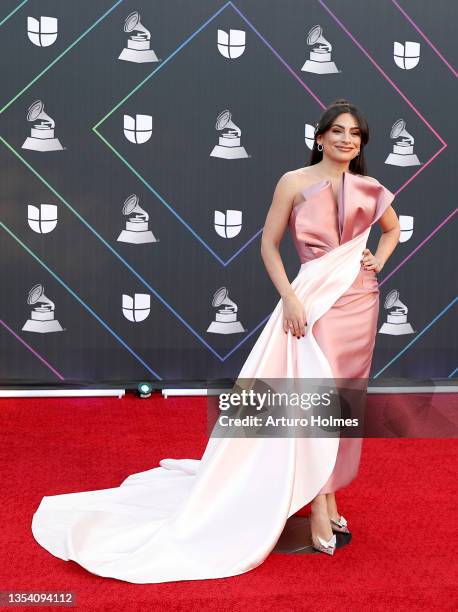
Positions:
(222, 515)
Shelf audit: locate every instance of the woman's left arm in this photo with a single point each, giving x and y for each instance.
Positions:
(389, 223)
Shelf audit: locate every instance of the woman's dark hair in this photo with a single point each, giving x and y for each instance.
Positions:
(358, 163)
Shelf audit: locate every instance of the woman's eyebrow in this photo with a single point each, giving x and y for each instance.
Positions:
(342, 126)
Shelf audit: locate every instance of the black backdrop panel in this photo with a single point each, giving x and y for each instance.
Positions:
(88, 92)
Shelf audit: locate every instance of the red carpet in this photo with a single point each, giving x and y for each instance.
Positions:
(401, 511)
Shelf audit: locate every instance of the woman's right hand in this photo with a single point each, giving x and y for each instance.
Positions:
(293, 315)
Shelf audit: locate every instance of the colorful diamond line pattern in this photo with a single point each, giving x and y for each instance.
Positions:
(165, 303)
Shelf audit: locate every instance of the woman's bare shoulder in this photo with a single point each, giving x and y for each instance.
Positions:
(302, 177)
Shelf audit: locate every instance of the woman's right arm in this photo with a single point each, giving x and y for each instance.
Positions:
(274, 229)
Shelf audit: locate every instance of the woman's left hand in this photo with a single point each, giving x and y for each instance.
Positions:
(370, 262)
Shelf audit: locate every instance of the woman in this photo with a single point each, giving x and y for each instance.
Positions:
(346, 333)
(222, 515)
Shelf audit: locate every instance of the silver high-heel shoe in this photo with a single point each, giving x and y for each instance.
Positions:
(340, 525)
(322, 546)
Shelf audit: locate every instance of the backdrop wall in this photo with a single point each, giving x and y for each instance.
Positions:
(132, 293)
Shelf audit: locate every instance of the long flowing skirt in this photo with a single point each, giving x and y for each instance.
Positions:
(221, 515)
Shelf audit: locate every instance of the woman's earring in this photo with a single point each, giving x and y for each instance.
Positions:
(318, 147)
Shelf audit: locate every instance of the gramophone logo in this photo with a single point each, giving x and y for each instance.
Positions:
(136, 231)
(228, 146)
(42, 132)
(138, 130)
(403, 154)
(226, 316)
(407, 55)
(138, 44)
(42, 220)
(309, 135)
(231, 45)
(396, 322)
(136, 308)
(406, 223)
(42, 32)
(42, 318)
(320, 61)
(228, 225)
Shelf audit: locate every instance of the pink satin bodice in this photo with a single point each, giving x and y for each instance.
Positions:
(317, 226)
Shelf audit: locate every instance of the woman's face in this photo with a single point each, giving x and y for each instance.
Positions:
(342, 141)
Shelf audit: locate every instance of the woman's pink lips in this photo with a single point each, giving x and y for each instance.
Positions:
(343, 149)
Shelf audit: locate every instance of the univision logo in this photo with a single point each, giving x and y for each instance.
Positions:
(138, 130)
(136, 308)
(42, 32)
(406, 56)
(42, 220)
